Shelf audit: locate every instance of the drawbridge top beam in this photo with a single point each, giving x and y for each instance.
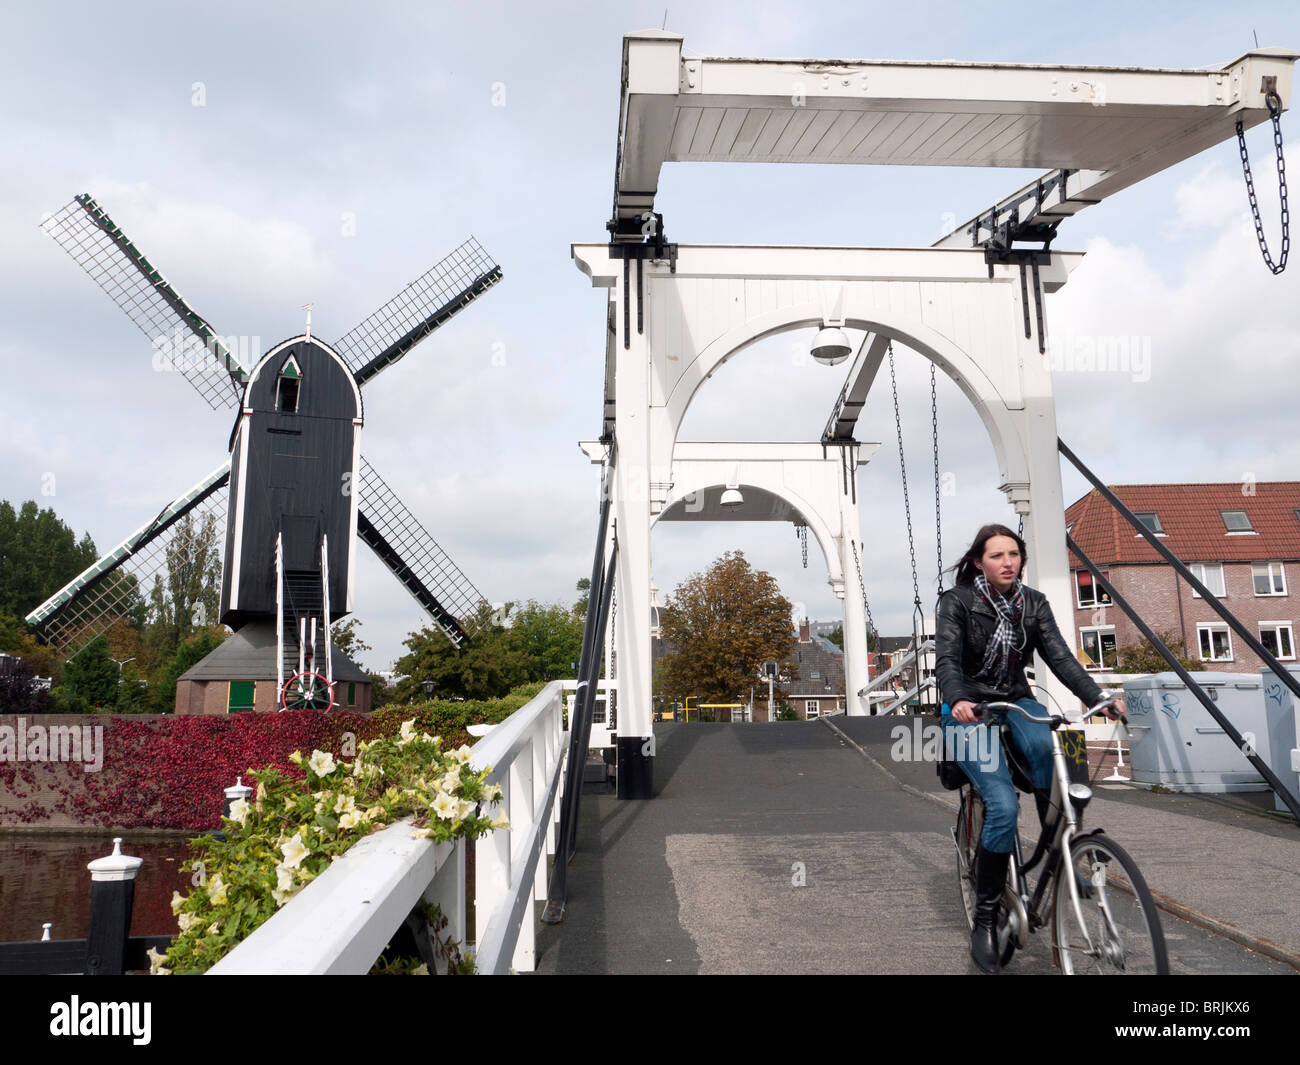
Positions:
(1118, 123)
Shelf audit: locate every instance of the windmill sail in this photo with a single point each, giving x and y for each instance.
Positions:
(99, 247)
(419, 309)
(113, 588)
(406, 548)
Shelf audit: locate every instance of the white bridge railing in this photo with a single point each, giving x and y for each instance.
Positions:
(342, 920)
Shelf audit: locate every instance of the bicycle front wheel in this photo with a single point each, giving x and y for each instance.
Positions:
(1123, 933)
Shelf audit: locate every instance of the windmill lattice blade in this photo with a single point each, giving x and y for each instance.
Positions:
(116, 587)
(419, 309)
(406, 548)
(86, 233)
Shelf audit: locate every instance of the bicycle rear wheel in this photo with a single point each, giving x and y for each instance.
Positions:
(1120, 917)
(970, 823)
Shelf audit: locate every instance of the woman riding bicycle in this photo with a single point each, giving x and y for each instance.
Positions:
(986, 629)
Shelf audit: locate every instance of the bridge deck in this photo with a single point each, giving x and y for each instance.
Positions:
(705, 877)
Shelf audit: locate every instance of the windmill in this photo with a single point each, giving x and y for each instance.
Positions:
(296, 491)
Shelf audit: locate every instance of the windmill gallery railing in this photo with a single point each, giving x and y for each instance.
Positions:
(341, 921)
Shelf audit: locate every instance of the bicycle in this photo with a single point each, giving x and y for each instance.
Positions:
(1103, 917)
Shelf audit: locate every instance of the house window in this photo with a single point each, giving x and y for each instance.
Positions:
(812, 708)
(1269, 578)
(1151, 520)
(815, 675)
(1216, 644)
(241, 696)
(352, 695)
(1236, 521)
(286, 387)
(1209, 574)
(1099, 645)
(1277, 638)
(1087, 591)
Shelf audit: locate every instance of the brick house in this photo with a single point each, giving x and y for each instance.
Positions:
(819, 687)
(1241, 541)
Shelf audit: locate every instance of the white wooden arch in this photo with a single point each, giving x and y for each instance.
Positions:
(671, 324)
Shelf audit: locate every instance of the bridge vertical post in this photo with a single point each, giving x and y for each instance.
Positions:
(857, 673)
(632, 514)
(1042, 501)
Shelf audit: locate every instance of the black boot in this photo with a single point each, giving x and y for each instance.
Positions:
(990, 881)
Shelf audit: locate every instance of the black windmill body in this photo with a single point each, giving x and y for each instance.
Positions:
(300, 494)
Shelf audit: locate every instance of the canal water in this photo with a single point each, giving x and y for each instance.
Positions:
(44, 878)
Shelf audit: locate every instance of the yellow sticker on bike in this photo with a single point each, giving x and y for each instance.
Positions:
(1075, 748)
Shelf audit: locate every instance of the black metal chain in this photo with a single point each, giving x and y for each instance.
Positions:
(1274, 102)
(902, 465)
(866, 606)
(1020, 528)
(938, 520)
(801, 533)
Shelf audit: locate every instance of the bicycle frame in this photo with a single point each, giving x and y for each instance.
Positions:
(1064, 831)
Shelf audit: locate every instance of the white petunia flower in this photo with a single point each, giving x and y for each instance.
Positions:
(463, 809)
(500, 821)
(492, 792)
(184, 921)
(408, 733)
(217, 890)
(294, 851)
(445, 806)
(352, 818)
(322, 763)
(345, 804)
(156, 963)
(177, 902)
(462, 754)
(284, 877)
(239, 810)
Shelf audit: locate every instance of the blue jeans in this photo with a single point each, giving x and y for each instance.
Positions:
(987, 768)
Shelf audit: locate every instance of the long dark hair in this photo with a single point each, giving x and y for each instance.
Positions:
(965, 566)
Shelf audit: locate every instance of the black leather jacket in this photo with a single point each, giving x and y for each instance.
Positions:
(963, 626)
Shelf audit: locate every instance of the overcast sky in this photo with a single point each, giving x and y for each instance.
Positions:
(428, 122)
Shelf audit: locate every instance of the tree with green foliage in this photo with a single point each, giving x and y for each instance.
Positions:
(723, 624)
(189, 595)
(39, 554)
(345, 638)
(1144, 658)
(92, 676)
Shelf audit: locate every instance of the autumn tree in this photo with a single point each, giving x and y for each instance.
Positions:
(723, 624)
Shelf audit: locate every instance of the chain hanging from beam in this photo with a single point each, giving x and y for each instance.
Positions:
(1274, 102)
(902, 465)
(801, 534)
(938, 519)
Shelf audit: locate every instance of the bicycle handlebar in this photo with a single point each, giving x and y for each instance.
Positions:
(1054, 720)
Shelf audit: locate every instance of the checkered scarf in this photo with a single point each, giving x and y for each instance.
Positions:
(1001, 655)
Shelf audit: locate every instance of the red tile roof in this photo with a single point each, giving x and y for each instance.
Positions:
(1189, 515)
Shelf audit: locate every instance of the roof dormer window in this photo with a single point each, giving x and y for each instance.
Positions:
(287, 386)
(1236, 521)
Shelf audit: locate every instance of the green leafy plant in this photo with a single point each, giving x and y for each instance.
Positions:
(295, 827)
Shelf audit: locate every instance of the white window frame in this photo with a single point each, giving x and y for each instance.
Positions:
(1212, 627)
(1101, 630)
(1278, 627)
(1096, 588)
(1200, 569)
(812, 709)
(1281, 572)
